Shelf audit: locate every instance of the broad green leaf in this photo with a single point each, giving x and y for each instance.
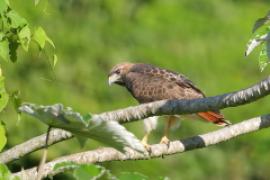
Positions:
(107, 132)
(87, 172)
(15, 19)
(25, 37)
(5, 173)
(3, 138)
(41, 37)
(132, 175)
(3, 94)
(261, 21)
(3, 6)
(4, 50)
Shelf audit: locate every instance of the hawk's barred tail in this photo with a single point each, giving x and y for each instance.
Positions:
(214, 117)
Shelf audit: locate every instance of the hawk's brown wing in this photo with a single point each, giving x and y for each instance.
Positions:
(148, 88)
(148, 83)
(166, 75)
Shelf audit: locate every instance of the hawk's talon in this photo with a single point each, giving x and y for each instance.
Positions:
(165, 140)
(146, 146)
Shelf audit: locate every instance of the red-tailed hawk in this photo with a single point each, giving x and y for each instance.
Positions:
(148, 83)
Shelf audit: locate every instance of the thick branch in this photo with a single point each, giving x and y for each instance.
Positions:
(36, 143)
(164, 107)
(169, 107)
(157, 150)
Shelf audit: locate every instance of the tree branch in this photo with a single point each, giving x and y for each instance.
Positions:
(164, 107)
(157, 150)
(36, 143)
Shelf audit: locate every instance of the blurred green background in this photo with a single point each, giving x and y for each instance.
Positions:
(203, 39)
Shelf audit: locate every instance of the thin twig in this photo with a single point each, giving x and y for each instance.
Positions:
(44, 155)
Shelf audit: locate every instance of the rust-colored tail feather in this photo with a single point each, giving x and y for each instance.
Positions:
(214, 117)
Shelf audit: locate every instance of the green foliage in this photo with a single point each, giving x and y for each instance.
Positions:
(64, 166)
(132, 175)
(41, 38)
(261, 21)
(87, 171)
(3, 138)
(15, 32)
(5, 173)
(3, 94)
(25, 37)
(261, 38)
(4, 49)
(81, 171)
(92, 171)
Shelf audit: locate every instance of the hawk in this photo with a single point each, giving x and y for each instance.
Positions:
(148, 83)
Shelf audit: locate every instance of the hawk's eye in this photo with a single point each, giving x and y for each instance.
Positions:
(117, 71)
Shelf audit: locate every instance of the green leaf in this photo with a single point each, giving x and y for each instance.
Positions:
(15, 19)
(3, 138)
(107, 132)
(68, 165)
(264, 57)
(3, 94)
(55, 59)
(25, 37)
(255, 42)
(50, 41)
(4, 50)
(3, 6)
(261, 21)
(87, 117)
(87, 172)
(13, 46)
(5, 173)
(133, 176)
(41, 37)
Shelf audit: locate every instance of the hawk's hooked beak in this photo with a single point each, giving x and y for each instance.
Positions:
(113, 78)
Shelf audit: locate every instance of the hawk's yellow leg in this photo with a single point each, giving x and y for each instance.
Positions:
(169, 122)
(144, 141)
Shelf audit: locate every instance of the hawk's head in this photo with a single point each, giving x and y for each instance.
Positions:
(118, 72)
